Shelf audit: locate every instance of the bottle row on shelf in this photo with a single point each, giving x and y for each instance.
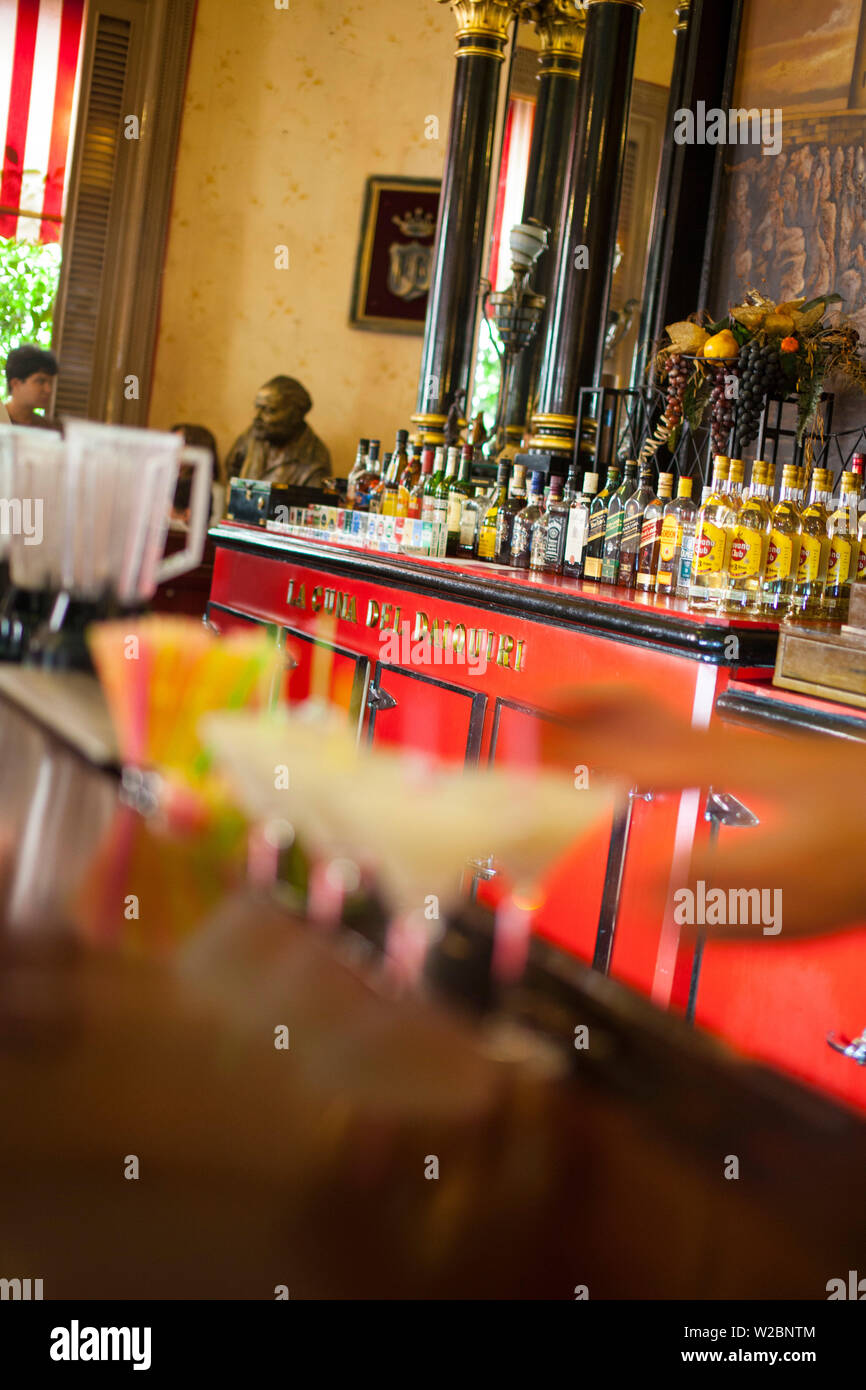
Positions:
(739, 550)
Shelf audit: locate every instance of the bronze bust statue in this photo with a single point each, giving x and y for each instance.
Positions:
(279, 447)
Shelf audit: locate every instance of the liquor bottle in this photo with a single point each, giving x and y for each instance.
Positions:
(687, 550)
(808, 595)
(802, 487)
(458, 493)
(734, 489)
(783, 553)
(526, 521)
(487, 529)
(650, 535)
(594, 551)
(571, 489)
(577, 528)
(439, 541)
(399, 471)
(632, 525)
(861, 561)
(677, 515)
(428, 501)
(614, 523)
(368, 479)
(390, 485)
(749, 544)
(843, 530)
(514, 503)
(548, 538)
(357, 469)
(412, 471)
(721, 473)
(416, 495)
(377, 488)
(707, 584)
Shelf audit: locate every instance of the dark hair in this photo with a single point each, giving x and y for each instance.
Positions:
(201, 438)
(27, 359)
(183, 490)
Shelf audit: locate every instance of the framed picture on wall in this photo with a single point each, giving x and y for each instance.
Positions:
(395, 254)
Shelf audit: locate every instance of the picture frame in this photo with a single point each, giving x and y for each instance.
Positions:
(395, 254)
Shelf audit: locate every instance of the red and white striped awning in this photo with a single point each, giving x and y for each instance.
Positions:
(39, 48)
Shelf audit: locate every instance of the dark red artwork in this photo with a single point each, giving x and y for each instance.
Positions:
(395, 257)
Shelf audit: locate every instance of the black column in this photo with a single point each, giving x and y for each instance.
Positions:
(664, 207)
(574, 321)
(561, 33)
(689, 177)
(452, 307)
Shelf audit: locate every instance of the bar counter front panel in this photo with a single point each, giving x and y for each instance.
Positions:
(521, 640)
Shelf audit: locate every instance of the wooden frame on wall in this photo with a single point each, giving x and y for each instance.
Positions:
(395, 254)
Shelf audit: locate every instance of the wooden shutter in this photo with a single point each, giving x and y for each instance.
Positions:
(134, 63)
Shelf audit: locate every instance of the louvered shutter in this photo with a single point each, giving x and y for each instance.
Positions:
(134, 60)
(95, 170)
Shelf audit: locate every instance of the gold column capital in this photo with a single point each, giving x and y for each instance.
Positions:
(682, 11)
(560, 25)
(483, 19)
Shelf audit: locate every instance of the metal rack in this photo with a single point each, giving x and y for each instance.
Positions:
(615, 422)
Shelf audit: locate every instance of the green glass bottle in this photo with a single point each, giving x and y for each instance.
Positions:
(594, 553)
(614, 523)
(458, 493)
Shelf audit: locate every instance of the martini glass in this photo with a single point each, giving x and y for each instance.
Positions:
(414, 821)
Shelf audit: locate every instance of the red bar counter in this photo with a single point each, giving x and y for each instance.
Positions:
(509, 643)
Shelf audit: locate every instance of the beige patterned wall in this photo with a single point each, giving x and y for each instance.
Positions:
(287, 112)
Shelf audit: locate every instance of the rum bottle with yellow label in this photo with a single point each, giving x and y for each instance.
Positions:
(707, 584)
(842, 528)
(783, 552)
(748, 546)
(808, 594)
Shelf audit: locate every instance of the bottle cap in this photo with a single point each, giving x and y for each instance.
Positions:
(590, 482)
(684, 487)
(790, 475)
(363, 445)
(738, 471)
(857, 464)
(402, 436)
(850, 482)
(666, 484)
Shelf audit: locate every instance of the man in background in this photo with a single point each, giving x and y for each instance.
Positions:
(30, 373)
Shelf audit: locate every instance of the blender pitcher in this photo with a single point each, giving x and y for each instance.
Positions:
(36, 509)
(120, 483)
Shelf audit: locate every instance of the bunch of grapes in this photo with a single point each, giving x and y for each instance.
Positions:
(761, 375)
(678, 375)
(722, 405)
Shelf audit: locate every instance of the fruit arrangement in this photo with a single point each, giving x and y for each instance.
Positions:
(722, 374)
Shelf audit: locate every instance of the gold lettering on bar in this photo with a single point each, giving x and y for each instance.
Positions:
(499, 648)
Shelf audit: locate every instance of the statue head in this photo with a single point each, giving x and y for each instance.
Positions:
(280, 407)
